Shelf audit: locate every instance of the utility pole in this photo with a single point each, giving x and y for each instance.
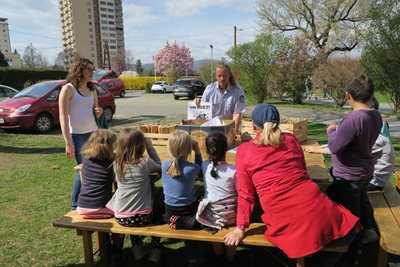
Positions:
(235, 29)
(106, 56)
(212, 78)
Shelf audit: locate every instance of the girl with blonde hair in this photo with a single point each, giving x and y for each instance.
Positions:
(178, 179)
(97, 175)
(132, 203)
(300, 219)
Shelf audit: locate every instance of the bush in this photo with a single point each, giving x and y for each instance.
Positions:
(140, 83)
(18, 77)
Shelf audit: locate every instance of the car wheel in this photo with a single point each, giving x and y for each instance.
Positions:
(43, 123)
(164, 90)
(176, 97)
(107, 111)
(122, 94)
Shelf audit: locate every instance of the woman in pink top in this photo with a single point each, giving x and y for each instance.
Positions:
(300, 219)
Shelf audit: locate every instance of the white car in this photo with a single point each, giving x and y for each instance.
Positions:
(161, 86)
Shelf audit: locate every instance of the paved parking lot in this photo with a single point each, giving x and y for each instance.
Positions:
(139, 108)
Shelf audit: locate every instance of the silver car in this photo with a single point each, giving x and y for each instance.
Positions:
(161, 86)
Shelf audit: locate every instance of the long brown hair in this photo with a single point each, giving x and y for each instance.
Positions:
(100, 145)
(75, 74)
(179, 146)
(130, 148)
(216, 145)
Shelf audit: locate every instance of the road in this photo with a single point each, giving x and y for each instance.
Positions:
(137, 107)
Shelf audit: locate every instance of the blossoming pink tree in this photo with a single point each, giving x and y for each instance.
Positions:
(174, 61)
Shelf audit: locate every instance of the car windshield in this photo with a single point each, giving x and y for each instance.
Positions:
(98, 74)
(158, 83)
(182, 82)
(37, 90)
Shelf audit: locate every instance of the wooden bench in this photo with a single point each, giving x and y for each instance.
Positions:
(386, 206)
(86, 227)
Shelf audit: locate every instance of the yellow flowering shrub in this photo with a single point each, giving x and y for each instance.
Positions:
(139, 83)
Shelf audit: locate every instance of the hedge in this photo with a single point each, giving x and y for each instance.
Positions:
(139, 83)
(16, 78)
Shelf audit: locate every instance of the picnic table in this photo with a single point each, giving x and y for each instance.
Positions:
(315, 162)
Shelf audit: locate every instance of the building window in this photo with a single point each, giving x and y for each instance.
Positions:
(89, 10)
(103, 15)
(112, 35)
(91, 49)
(92, 55)
(90, 30)
(91, 36)
(110, 10)
(111, 22)
(102, 3)
(110, 4)
(104, 21)
(89, 16)
(104, 28)
(90, 23)
(113, 47)
(88, 3)
(110, 16)
(103, 9)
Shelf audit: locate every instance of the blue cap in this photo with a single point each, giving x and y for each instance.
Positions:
(265, 113)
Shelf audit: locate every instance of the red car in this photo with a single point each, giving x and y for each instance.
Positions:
(109, 80)
(36, 107)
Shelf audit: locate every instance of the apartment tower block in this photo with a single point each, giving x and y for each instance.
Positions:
(93, 29)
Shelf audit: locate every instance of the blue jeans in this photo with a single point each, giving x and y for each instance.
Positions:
(78, 140)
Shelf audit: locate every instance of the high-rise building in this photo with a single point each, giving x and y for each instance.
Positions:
(13, 58)
(93, 29)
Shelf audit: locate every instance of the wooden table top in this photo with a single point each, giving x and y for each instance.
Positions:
(315, 162)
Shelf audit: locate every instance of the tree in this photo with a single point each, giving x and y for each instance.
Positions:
(381, 54)
(205, 72)
(139, 68)
(331, 26)
(3, 61)
(59, 61)
(291, 70)
(334, 75)
(129, 60)
(255, 62)
(174, 60)
(33, 59)
(118, 63)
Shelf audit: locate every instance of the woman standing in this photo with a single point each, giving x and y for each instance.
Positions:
(78, 98)
(300, 219)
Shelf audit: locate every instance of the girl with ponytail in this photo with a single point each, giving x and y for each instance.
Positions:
(218, 207)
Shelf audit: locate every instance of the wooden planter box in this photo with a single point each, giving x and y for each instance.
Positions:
(295, 126)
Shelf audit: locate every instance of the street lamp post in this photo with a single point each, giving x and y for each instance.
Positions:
(235, 29)
(212, 78)
(155, 78)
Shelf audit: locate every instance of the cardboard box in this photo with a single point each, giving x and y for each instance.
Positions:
(200, 133)
(296, 126)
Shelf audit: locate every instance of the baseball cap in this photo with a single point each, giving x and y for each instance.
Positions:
(265, 113)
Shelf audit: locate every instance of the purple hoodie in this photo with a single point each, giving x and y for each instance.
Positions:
(351, 144)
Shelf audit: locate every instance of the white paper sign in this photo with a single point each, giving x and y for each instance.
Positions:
(201, 112)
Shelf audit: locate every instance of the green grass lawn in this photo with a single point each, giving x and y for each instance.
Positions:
(36, 183)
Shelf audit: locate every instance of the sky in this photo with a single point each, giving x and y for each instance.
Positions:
(148, 25)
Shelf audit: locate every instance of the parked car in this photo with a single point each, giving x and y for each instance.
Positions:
(189, 87)
(115, 86)
(36, 107)
(161, 86)
(100, 75)
(7, 91)
(109, 80)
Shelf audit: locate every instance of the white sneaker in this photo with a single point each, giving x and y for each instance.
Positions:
(369, 236)
(140, 251)
(154, 255)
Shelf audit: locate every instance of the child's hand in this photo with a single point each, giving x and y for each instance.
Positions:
(331, 126)
(314, 149)
(195, 147)
(148, 141)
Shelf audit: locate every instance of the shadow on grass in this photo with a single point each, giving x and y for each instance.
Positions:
(36, 150)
